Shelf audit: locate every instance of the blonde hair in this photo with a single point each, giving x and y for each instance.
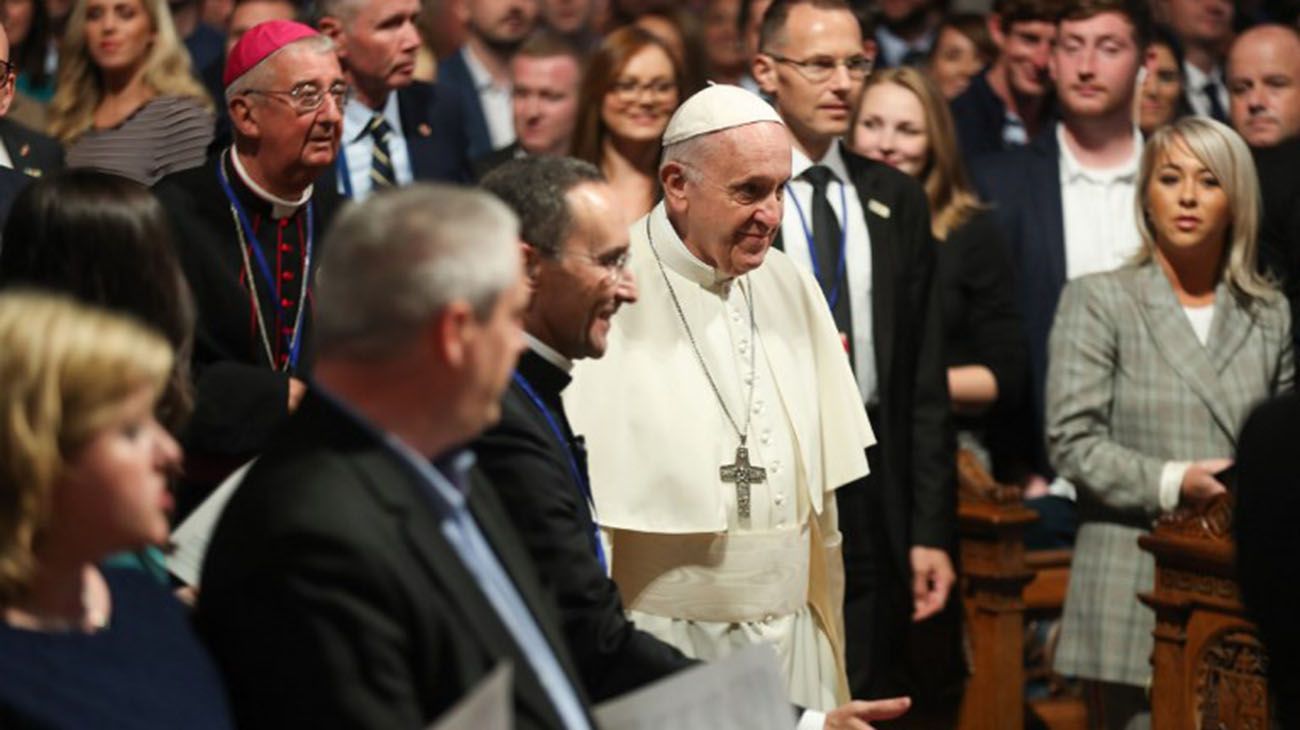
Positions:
(80, 88)
(1226, 156)
(66, 370)
(949, 192)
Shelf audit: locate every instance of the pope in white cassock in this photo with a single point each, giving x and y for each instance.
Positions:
(724, 413)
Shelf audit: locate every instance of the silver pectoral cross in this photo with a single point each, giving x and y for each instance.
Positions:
(743, 475)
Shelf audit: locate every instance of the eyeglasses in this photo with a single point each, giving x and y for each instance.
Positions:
(308, 97)
(820, 69)
(614, 263)
(628, 90)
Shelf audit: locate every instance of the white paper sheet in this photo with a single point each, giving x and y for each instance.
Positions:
(489, 706)
(743, 691)
(189, 541)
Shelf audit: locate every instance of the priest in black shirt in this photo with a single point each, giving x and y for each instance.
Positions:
(246, 224)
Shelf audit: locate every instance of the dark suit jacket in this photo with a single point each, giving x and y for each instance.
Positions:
(531, 472)
(912, 424)
(1267, 541)
(454, 77)
(1279, 233)
(1024, 187)
(432, 121)
(496, 158)
(978, 115)
(332, 600)
(11, 184)
(32, 153)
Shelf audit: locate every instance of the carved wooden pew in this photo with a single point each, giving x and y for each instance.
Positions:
(1209, 667)
(991, 523)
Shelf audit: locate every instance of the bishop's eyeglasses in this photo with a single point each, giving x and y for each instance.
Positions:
(820, 69)
(307, 96)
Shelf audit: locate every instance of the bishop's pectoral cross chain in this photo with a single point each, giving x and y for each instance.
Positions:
(738, 472)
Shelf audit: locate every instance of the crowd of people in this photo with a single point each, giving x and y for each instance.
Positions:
(607, 337)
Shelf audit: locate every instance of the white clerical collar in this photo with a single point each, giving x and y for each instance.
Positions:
(833, 159)
(674, 254)
(1072, 169)
(548, 353)
(280, 207)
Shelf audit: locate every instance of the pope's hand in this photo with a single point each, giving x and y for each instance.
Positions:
(856, 715)
(932, 578)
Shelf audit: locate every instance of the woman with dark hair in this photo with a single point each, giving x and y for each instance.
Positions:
(1160, 99)
(28, 27)
(682, 32)
(631, 87)
(106, 241)
(84, 474)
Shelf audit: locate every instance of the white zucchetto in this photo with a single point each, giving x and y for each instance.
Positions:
(715, 108)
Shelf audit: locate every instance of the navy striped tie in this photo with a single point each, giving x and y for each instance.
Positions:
(381, 165)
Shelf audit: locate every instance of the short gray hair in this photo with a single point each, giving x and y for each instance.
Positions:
(392, 263)
(259, 76)
(535, 188)
(690, 153)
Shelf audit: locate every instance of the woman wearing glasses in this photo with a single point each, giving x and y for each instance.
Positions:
(84, 475)
(630, 89)
(903, 120)
(126, 101)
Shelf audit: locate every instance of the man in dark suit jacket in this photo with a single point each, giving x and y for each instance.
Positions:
(478, 73)
(395, 130)
(32, 153)
(899, 523)
(364, 576)
(1011, 101)
(575, 245)
(1279, 231)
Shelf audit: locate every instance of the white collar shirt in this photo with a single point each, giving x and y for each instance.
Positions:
(844, 201)
(495, 100)
(1196, 93)
(1098, 211)
(359, 146)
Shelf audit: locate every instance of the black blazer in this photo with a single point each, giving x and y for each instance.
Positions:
(978, 116)
(332, 600)
(912, 424)
(1279, 233)
(530, 470)
(32, 153)
(1024, 187)
(454, 78)
(435, 135)
(496, 158)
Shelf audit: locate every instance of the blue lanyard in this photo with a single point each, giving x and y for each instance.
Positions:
(573, 462)
(834, 295)
(341, 166)
(295, 345)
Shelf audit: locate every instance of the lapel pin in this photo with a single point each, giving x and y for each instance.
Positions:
(424, 129)
(24, 150)
(879, 208)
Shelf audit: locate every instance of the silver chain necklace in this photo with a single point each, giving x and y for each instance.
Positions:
(738, 472)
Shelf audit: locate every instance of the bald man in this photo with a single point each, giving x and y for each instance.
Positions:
(1263, 73)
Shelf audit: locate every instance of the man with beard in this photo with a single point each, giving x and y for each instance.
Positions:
(724, 414)
(479, 72)
(395, 129)
(1008, 104)
(1065, 202)
(246, 225)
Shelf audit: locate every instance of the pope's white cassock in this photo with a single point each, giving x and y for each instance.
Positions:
(691, 570)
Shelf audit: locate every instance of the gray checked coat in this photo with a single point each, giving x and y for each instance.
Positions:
(1129, 388)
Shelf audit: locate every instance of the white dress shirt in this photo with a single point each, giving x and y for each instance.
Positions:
(359, 146)
(1196, 96)
(857, 253)
(494, 98)
(1098, 211)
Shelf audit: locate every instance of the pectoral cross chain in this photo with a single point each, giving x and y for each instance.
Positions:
(742, 475)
